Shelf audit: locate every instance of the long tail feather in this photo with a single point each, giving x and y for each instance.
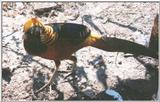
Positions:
(119, 45)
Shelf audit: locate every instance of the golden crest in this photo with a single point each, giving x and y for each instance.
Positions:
(31, 22)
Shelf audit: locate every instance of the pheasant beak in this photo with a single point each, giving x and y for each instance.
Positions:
(30, 23)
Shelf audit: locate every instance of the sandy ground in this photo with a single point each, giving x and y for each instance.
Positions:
(134, 78)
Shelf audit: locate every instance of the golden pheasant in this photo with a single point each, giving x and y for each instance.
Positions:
(58, 41)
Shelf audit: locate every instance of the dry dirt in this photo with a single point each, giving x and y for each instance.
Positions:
(134, 78)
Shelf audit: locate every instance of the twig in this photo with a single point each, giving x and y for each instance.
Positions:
(10, 34)
(116, 60)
